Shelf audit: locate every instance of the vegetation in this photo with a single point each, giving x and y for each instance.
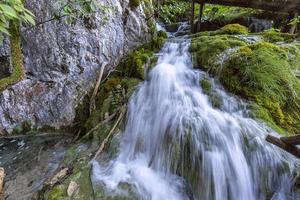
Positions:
(13, 12)
(173, 11)
(219, 16)
(263, 73)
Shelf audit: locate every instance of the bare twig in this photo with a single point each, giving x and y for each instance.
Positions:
(100, 149)
(37, 135)
(101, 123)
(92, 100)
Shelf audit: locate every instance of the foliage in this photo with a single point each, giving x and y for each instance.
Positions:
(295, 21)
(13, 11)
(72, 10)
(172, 11)
(226, 14)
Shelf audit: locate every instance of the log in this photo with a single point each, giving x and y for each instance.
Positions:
(200, 16)
(285, 6)
(192, 16)
(289, 148)
(292, 140)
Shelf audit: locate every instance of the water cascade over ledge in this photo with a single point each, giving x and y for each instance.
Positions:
(176, 145)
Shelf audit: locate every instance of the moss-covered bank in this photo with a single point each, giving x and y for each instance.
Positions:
(264, 73)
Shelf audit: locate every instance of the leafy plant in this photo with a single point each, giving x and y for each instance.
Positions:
(173, 10)
(295, 21)
(72, 10)
(13, 11)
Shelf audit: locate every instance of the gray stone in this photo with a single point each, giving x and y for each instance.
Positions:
(62, 61)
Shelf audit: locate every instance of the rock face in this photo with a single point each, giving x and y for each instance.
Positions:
(62, 62)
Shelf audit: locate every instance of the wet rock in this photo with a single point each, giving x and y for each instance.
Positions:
(62, 62)
(73, 186)
(2, 175)
(29, 162)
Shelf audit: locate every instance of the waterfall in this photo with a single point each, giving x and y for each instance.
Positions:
(176, 145)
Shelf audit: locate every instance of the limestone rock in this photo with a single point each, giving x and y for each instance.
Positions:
(62, 61)
(73, 186)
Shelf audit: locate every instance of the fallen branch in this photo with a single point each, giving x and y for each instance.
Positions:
(101, 123)
(100, 149)
(58, 177)
(37, 135)
(289, 148)
(93, 97)
(292, 140)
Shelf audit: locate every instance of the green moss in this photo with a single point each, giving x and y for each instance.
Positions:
(263, 73)
(206, 85)
(134, 64)
(273, 35)
(22, 128)
(206, 48)
(264, 76)
(58, 192)
(234, 29)
(213, 96)
(293, 53)
(18, 72)
(162, 34)
(134, 3)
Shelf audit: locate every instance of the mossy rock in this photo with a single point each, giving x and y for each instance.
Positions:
(213, 96)
(263, 73)
(59, 192)
(162, 34)
(134, 3)
(234, 29)
(206, 48)
(206, 85)
(273, 35)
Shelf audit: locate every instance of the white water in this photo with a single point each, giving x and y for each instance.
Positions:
(177, 146)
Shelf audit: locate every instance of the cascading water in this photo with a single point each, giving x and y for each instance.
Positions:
(176, 145)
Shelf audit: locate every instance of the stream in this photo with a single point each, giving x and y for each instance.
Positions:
(176, 145)
(180, 142)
